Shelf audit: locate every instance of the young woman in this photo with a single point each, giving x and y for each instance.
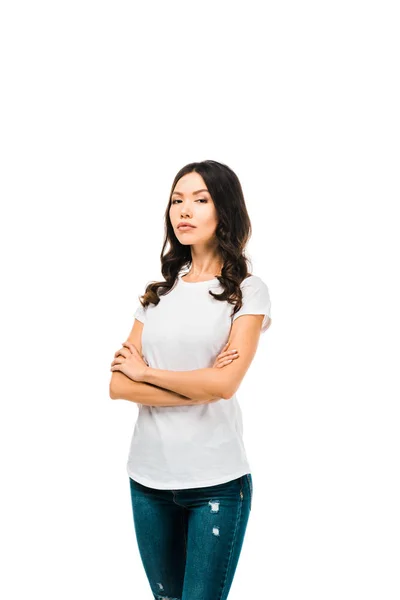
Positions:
(187, 353)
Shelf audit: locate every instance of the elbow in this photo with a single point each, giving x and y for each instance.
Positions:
(225, 389)
(229, 391)
(226, 393)
(221, 385)
(112, 391)
(116, 385)
(230, 385)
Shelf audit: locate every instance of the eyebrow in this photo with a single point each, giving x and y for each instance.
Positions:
(198, 192)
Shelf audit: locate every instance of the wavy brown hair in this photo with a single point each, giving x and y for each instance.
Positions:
(232, 233)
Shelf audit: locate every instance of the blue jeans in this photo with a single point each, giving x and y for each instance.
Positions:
(190, 540)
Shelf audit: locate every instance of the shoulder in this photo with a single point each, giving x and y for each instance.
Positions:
(140, 312)
(255, 300)
(254, 282)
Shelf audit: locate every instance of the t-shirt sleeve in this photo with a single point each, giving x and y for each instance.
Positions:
(256, 301)
(140, 313)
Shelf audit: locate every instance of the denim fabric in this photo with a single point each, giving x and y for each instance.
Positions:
(190, 540)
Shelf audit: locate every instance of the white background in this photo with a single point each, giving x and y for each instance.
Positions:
(101, 104)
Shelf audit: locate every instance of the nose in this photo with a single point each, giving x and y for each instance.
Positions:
(184, 210)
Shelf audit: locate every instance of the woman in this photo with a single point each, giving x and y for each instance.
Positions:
(190, 481)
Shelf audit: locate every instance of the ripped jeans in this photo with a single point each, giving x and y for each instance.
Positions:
(190, 540)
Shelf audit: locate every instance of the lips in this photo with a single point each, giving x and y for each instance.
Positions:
(186, 225)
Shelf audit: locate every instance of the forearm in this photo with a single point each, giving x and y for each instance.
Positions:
(124, 388)
(204, 384)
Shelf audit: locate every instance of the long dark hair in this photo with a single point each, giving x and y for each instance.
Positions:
(232, 233)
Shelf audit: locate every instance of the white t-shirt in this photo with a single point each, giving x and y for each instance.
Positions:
(201, 445)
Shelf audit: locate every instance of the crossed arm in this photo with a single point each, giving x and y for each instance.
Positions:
(200, 385)
(124, 388)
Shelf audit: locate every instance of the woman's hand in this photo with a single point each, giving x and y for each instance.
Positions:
(225, 357)
(129, 361)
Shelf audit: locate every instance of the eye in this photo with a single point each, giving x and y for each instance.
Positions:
(198, 200)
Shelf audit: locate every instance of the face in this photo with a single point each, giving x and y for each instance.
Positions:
(192, 203)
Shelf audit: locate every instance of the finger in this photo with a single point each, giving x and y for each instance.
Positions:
(223, 363)
(221, 359)
(228, 353)
(231, 358)
(124, 351)
(226, 362)
(131, 347)
(118, 360)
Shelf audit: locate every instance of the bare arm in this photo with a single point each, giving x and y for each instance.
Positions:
(203, 383)
(124, 388)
